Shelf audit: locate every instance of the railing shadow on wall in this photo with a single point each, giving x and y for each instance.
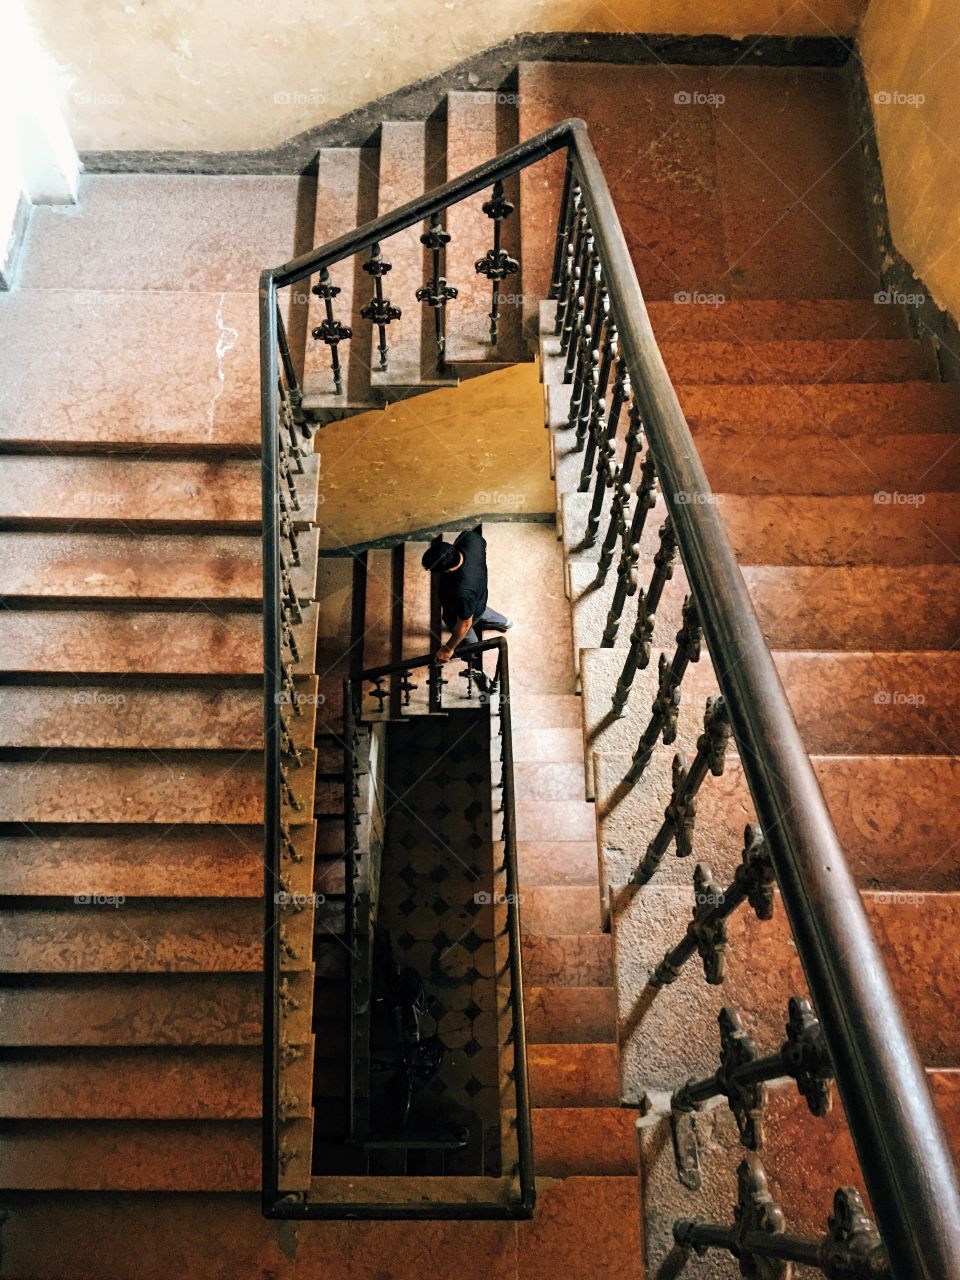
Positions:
(606, 336)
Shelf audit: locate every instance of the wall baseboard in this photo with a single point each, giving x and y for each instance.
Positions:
(13, 251)
(899, 281)
(489, 70)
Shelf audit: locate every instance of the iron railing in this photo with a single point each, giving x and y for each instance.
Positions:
(606, 337)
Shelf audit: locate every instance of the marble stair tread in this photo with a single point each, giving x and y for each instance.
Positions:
(142, 786)
(476, 129)
(584, 1140)
(915, 934)
(195, 1083)
(194, 385)
(761, 319)
(891, 813)
(378, 612)
(843, 703)
(823, 362)
(410, 163)
(346, 198)
(558, 910)
(164, 232)
(416, 601)
(133, 937)
(570, 1014)
(862, 607)
(574, 1075)
(557, 862)
(143, 861)
(42, 490)
(573, 960)
(124, 1155)
(63, 1010)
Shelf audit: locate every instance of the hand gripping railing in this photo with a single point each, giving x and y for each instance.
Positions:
(607, 339)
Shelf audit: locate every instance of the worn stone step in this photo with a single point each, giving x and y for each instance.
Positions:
(570, 819)
(582, 960)
(570, 1014)
(168, 787)
(133, 937)
(346, 197)
(808, 361)
(161, 642)
(44, 490)
(130, 714)
(916, 934)
(130, 1155)
(132, 1009)
(416, 601)
(137, 861)
(131, 1084)
(195, 387)
(148, 231)
(584, 1140)
(556, 910)
(479, 126)
(557, 862)
(574, 1075)
(695, 318)
(835, 409)
(122, 566)
(892, 815)
(378, 612)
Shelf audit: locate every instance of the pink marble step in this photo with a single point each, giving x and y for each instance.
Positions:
(584, 1140)
(574, 1075)
(553, 910)
(808, 361)
(570, 1015)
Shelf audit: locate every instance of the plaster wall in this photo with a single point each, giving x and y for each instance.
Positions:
(178, 74)
(911, 55)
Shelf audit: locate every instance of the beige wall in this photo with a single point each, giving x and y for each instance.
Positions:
(222, 75)
(911, 51)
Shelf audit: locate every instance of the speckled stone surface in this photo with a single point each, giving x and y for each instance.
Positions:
(580, 1014)
(807, 361)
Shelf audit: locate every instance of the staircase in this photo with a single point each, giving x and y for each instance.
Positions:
(132, 769)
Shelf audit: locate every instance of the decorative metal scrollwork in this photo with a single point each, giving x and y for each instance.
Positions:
(496, 264)
(379, 310)
(330, 330)
(436, 293)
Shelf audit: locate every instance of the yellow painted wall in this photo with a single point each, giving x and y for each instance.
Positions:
(222, 75)
(477, 449)
(911, 53)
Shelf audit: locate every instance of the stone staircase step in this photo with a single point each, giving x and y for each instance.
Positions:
(560, 910)
(584, 960)
(574, 1075)
(764, 319)
(64, 396)
(378, 615)
(346, 198)
(878, 464)
(131, 787)
(808, 361)
(892, 814)
(43, 490)
(478, 127)
(416, 601)
(838, 410)
(198, 642)
(335, 579)
(410, 163)
(130, 1155)
(133, 937)
(136, 861)
(131, 1009)
(553, 819)
(164, 232)
(916, 934)
(557, 862)
(131, 1084)
(570, 1014)
(126, 714)
(542, 746)
(545, 710)
(584, 1140)
(120, 566)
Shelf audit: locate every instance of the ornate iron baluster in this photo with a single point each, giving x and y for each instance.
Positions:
(608, 475)
(564, 223)
(621, 492)
(293, 391)
(437, 293)
(680, 814)
(742, 1077)
(496, 264)
(758, 1239)
(330, 330)
(754, 882)
(379, 310)
(666, 704)
(630, 554)
(599, 434)
(566, 319)
(578, 352)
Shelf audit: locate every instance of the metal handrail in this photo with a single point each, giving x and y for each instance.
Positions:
(902, 1149)
(501, 681)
